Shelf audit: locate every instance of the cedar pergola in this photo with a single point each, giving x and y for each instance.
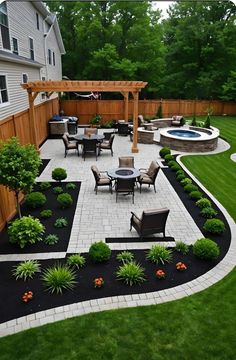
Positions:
(124, 87)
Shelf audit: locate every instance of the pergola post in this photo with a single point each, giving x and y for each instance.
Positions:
(135, 123)
(31, 98)
(126, 105)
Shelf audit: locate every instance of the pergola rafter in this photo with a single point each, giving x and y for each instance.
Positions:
(124, 87)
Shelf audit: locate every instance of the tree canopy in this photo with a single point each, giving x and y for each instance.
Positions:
(191, 54)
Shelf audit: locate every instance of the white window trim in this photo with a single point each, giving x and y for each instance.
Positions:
(37, 17)
(8, 94)
(7, 50)
(13, 37)
(24, 73)
(30, 37)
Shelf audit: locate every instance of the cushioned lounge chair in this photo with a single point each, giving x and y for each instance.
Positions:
(148, 176)
(101, 178)
(69, 145)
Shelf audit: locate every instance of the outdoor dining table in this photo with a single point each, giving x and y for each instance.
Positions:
(80, 137)
(124, 173)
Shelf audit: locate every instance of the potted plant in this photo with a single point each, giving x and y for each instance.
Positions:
(95, 121)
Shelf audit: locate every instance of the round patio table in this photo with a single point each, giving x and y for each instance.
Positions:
(124, 173)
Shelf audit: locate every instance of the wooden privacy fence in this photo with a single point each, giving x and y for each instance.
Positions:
(19, 125)
(114, 109)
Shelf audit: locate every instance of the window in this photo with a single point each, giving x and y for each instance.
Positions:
(15, 46)
(53, 58)
(3, 90)
(43, 95)
(31, 48)
(24, 78)
(4, 26)
(37, 20)
(49, 57)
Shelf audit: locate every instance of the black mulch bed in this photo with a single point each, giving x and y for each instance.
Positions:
(11, 305)
(44, 164)
(138, 239)
(63, 233)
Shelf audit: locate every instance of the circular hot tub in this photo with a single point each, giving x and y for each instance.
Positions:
(193, 139)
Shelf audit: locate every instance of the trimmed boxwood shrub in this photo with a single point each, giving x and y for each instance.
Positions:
(175, 167)
(57, 190)
(99, 252)
(25, 231)
(206, 249)
(195, 195)
(214, 226)
(65, 200)
(186, 181)
(164, 151)
(59, 174)
(45, 185)
(168, 157)
(208, 212)
(180, 176)
(179, 172)
(45, 214)
(190, 187)
(203, 202)
(70, 186)
(35, 200)
(172, 162)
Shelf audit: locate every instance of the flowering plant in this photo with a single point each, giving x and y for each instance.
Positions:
(160, 274)
(27, 296)
(98, 282)
(181, 266)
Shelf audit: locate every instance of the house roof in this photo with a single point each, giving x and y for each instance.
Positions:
(7, 56)
(51, 19)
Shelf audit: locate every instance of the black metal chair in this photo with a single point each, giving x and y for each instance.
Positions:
(90, 146)
(69, 145)
(107, 145)
(123, 129)
(72, 127)
(101, 179)
(125, 187)
(151, 222)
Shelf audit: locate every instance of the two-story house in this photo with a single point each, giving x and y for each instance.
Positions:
(30, 49)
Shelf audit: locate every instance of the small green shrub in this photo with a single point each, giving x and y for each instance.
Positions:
(45, 214)
(168, 157)
(59, 174)
(186, 181)
(131, 273)
(207, 123)
(208, 212)
(172, 162)
(35, 200)
(206, 249)
(61, 222)
(65, 200)
(51, 239)
(159, 253)
(99, 252)
(180, 177)
(179, 172)
(125, 257)
(45, 185)
(25, 231)
(181, 247)
(26, 269)
(70, 186)
(214, 226)
(190, 187)
(59, 278)
(195, 195)
(175, 167)
(164, 151)
(75, 260)
(194, 121)
(57, 190)
(203, 202)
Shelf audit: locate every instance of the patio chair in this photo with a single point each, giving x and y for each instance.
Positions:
(148, 176)
(101, 179)
(141, 121)
(125, 187)
(69, 145)
(126, 161)
(123, 129)
(107, 145)
(177, 120)
(151, 222)
(90, 146)
(90, 131)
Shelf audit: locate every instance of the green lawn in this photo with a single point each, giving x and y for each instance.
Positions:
(201, 326)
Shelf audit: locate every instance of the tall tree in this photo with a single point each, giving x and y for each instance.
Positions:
(200, 48)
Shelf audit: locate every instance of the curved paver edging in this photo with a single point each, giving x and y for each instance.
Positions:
(126, 301)
(233, 157)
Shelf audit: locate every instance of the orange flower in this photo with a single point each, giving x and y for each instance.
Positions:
(160, 274)
(181, 266)
(98, 282)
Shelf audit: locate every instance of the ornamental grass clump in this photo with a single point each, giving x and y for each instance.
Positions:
(35, 200)
(214, 226)
(65, 200)
(99, 252)
(125, 257)
(70, 186)
(46, 214)
(26, 269)
(61, 222)
(51, 239)
(206, 249)
(159, 254)
(182, 247)
(164, 151)
(203, 203)
(208, 212)
(59, 174)
(59, 278)
(25, 231)
(131, 273)
(75, 261)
